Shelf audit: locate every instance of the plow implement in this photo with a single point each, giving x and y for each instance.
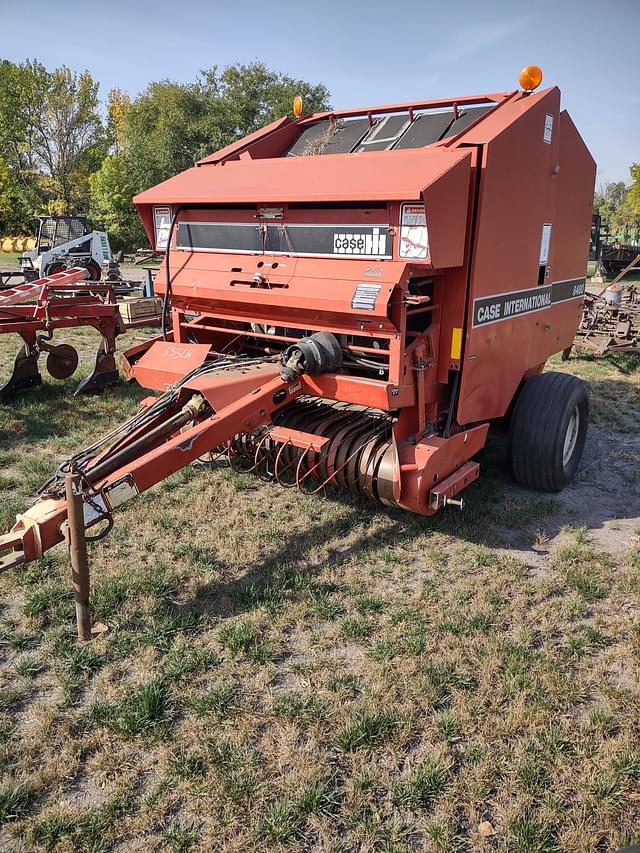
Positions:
(610, 323)
(35, 310)
(339, 312)
(611, 319)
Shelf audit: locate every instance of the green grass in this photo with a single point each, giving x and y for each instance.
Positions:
(286, 672)
(366, 729)
(9, 260)
(14, 800)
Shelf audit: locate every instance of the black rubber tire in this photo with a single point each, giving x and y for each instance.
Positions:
(95, 271)
(539, 424)
(54, 267)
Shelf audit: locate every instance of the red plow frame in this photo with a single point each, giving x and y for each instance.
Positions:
(65, 300)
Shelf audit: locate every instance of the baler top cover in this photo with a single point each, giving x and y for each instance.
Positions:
(316, 161)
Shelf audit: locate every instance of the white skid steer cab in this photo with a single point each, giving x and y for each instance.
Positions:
(63, 242)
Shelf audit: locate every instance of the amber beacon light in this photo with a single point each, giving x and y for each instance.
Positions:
(530, 77)
(297, 106)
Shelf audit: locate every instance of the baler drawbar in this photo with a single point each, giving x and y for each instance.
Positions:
(352, 299)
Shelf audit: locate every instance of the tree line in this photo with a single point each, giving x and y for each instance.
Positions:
(619, 206)
(63, 151)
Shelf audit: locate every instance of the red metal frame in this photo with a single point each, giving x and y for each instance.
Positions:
(61, 301)
(439, 353)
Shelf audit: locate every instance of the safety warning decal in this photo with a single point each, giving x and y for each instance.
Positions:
(505, 306)
(414, 240)
(545, 242)
(162, 223)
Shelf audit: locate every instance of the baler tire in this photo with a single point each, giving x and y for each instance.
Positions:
(545, 411)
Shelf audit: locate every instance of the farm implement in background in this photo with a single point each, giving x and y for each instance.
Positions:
(345, 313)
(35, 310)
(611, 318)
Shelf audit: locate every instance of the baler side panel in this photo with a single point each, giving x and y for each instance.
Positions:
(518, 195)
(446, 201)
(576, 182)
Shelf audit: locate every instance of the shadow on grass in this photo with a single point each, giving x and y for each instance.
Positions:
(497, 512)
(53, 410)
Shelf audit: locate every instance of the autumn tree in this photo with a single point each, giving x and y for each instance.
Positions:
(51, 139)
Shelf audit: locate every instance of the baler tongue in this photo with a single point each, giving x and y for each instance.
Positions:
(204, 411)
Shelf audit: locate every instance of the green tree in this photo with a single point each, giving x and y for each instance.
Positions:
(170, 125)
(111, 206)
(243, 98)
(633, 193)
(163, 131)
(610, 201)
(21, 194)
(51, 138)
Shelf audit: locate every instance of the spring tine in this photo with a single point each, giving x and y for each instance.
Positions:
(278, 473)
(299, 466)
(268, 475)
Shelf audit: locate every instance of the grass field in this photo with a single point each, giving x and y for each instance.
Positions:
(8, 260)
(306, 673)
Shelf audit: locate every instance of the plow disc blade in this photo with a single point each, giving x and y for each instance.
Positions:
(25, 372)
(104, 373)
(62, 361)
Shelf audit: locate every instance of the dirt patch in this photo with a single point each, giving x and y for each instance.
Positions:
(604, 497)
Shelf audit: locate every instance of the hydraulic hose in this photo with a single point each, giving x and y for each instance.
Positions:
(188, 413)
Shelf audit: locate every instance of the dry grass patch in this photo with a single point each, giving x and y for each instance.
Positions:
(289, 672)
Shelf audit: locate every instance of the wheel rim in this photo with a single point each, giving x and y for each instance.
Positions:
(571, 436)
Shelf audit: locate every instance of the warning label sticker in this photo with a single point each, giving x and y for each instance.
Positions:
(162, 222)
(545, 242)
(414, 240)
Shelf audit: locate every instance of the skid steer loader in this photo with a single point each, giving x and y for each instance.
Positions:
(64, 242)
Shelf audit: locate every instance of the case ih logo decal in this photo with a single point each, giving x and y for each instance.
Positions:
(369, 242)
(504, 306)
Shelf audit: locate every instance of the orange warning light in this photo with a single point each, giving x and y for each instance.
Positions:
(530, 77)
(297, 106)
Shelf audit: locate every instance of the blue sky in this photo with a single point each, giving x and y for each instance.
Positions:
(364, 52)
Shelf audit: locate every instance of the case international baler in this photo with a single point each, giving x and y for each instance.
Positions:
(355, 298)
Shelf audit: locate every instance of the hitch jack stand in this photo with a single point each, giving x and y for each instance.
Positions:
(78, 554)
